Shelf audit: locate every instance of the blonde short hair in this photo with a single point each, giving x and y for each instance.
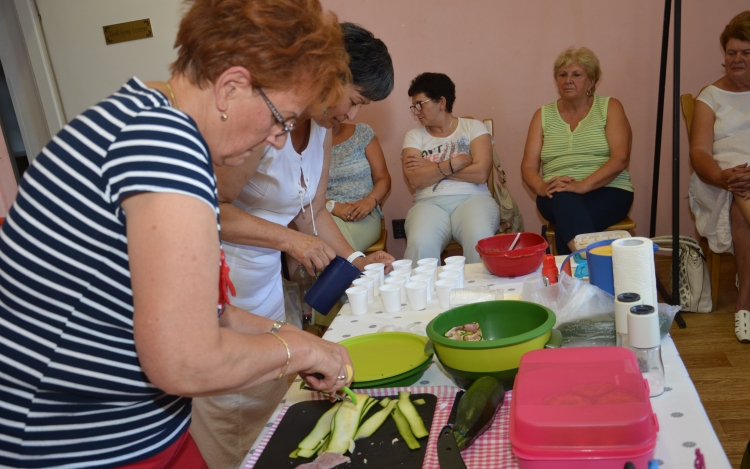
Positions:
(582, 56)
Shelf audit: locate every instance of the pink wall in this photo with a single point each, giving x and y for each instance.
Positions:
(500, 54)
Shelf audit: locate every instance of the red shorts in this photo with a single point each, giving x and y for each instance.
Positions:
(182, 454)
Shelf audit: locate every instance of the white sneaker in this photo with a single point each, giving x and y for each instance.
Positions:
(742, 326)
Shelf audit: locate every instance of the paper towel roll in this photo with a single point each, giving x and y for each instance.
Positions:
(633, 268)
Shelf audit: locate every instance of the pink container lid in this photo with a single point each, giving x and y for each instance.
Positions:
(587, 402)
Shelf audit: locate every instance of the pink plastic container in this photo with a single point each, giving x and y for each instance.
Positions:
(581, 408)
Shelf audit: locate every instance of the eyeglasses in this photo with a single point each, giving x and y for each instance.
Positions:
(418, 106)
(287, 126)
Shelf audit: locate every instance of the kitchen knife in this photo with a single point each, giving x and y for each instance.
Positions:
(449, 456)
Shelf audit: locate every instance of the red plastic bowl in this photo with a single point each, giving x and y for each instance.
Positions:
(524, 259)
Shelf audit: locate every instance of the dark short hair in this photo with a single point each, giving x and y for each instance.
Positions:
(738, 28)
(369, 62)
(434, 86)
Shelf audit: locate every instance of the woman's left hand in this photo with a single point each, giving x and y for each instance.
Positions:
(361, 208)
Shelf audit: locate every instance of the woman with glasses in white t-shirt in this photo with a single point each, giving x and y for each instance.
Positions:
(446, 162)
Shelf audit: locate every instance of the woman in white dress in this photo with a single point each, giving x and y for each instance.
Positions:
(720, 153)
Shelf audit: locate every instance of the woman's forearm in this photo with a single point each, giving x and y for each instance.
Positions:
(532, 179)
(606, 174)
(477, 173)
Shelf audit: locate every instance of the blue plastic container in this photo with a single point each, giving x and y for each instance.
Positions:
(331, 285)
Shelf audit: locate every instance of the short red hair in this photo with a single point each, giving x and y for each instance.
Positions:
(284, 44)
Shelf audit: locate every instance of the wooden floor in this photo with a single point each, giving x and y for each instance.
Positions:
(718, 363)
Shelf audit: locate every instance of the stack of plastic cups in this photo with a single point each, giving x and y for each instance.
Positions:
(399, 280)
(375, 276)
(391, 296)
(357, 300)
(451, 274)
(380, 268)
(428, 261)
(623, 303)
(458, 268)
(430, 270)
(417, 293)
(645, 342)
(426, 278)
(368, 283)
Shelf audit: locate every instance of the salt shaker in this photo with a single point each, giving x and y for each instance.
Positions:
(645, 342)
(623, 303)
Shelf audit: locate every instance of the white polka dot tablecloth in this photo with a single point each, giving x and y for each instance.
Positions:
(683, 423)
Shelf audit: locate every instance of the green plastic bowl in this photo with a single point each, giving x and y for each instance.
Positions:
(509, 330)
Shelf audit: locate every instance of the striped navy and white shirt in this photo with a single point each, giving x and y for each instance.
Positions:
(72, 391)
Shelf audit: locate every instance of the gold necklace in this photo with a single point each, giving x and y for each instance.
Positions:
(449, 127)
(174, 100)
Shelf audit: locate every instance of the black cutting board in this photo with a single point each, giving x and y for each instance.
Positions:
(379, 449)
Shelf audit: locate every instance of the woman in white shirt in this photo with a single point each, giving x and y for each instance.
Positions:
(720, 153)
(446, 162)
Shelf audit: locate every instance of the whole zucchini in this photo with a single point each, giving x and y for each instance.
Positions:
(476, 410)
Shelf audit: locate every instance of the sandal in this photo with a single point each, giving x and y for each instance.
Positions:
(742, 326)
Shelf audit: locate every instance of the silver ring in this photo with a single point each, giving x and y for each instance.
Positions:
(341, 378)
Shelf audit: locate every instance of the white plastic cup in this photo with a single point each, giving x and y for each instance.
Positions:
(458, 268)
(426, 278)
(530, 285)
(443, 288)
(357, 300)
(447, 274)
(404, 272)
(461, 260)
(390, 293)
(375, 276)
(368, 283)
(428, 261)
(417, 293)
(399, 280)
(430, 270)
(380, 268)
(402, 263)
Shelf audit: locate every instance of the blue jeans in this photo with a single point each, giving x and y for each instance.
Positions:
(592, 212)
(432, 222)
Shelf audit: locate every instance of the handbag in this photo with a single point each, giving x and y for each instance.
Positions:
(511, 220)
(695, 280)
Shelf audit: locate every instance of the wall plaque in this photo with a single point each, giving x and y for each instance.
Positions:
(130, 31)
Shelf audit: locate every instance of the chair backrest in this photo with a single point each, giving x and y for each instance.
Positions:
(688, 106)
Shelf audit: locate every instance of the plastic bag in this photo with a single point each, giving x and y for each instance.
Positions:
(292, 303)
(586, 313)
(572, 299)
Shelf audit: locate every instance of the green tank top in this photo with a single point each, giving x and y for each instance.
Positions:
(581, 152)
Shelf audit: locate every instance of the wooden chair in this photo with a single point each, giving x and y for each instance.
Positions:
(380, 243)
(713, 259)
(453, 245)
(625, 224)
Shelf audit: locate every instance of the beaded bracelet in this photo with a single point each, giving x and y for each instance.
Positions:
(451, 165)
(288, 354)
(441, 170)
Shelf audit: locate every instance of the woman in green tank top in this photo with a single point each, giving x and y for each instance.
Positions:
(577, 151)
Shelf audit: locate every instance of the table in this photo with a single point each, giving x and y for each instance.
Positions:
(684, 425)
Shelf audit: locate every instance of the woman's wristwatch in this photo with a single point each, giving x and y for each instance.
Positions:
(277, 325)
(329, 205)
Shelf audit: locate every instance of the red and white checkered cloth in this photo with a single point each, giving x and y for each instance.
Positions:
(490, 451)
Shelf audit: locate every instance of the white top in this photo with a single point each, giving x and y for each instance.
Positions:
(709, 203)
(437, 149)
(275, 193)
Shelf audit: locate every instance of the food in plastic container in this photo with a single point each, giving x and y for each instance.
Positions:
(469, 332)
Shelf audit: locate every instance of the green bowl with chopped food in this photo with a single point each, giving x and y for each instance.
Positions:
(508, 330)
